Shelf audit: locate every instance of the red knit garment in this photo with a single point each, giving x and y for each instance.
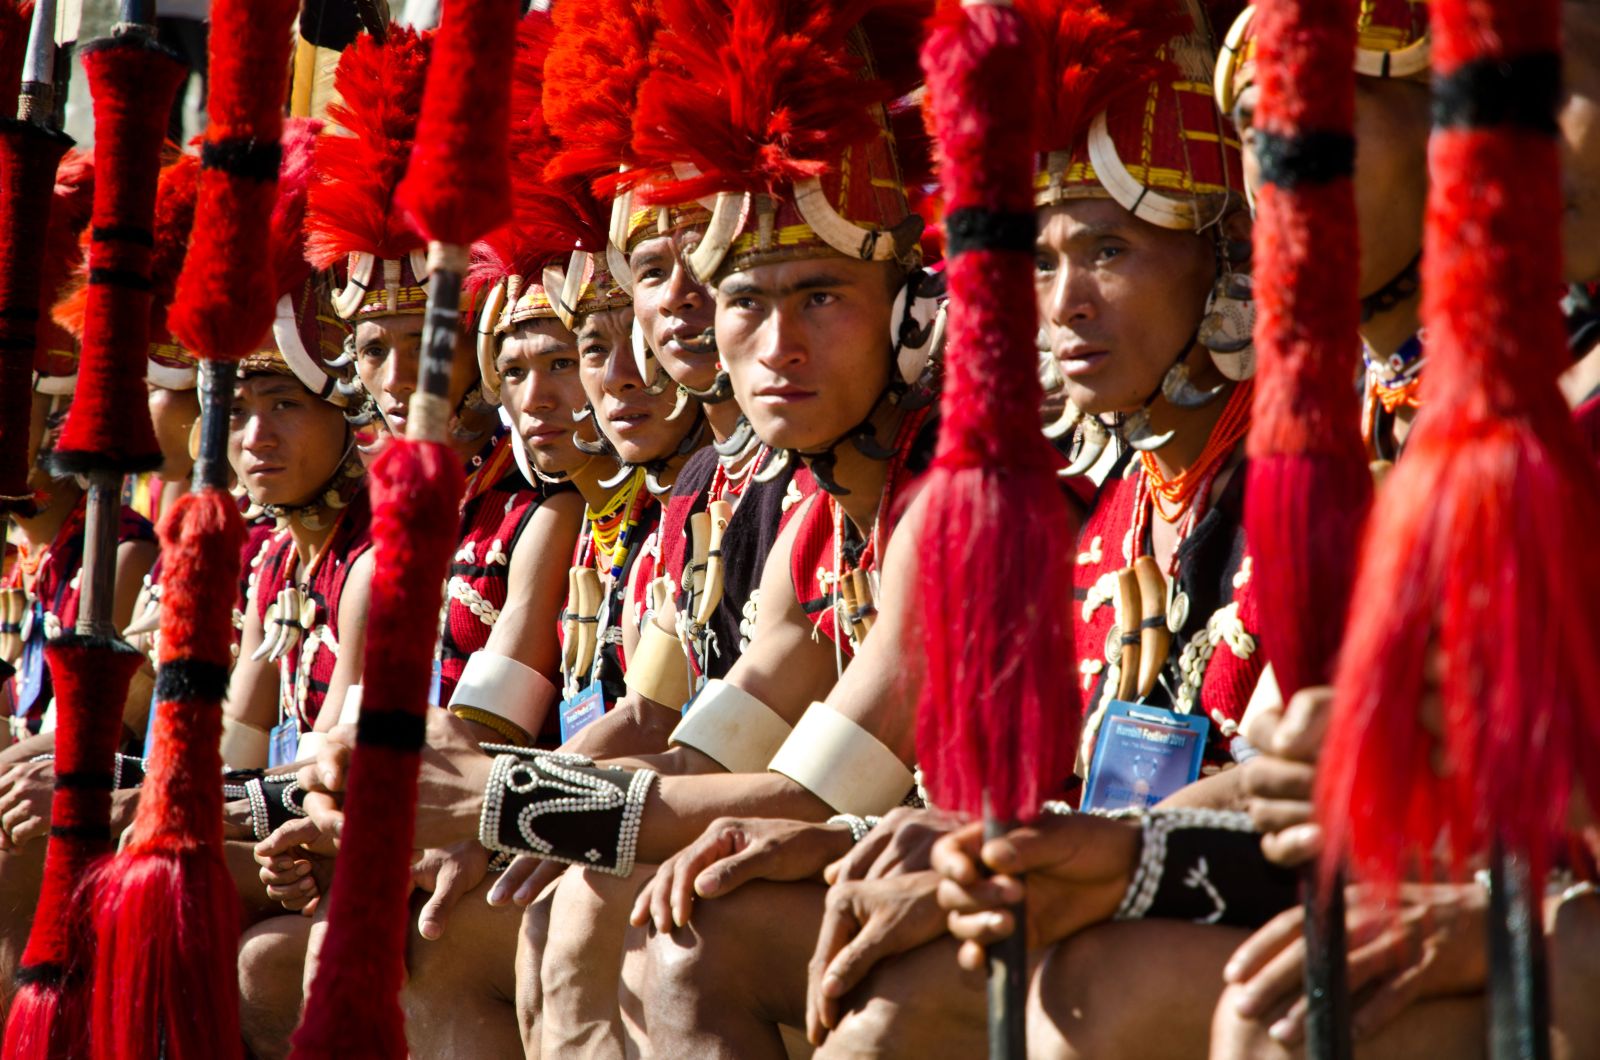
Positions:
(353, 1009)
(49, 1017)
(999, 711)
(1478, 563)
(1309, 486)
(133, 82)
(227, 297)
(28, 159)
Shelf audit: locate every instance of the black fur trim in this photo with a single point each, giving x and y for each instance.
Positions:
(185, 680)
(243, 157)
(393, 729)
(98, 833)
(84, 780)
(1524, 92)
(138, 235)
(976, 228)
(47, 974)
(1309, 158)
(133, 281)
(66, 462)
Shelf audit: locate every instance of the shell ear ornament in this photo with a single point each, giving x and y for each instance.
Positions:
(716, 394)
(865, 439)
(821, 467)
(1227, 330)
(1063, 423)
(659, 380)
(679, 405)
(737, 442)
(1180, 392)
(581, 414)
(1087, 447)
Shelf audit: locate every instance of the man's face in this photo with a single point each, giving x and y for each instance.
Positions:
(806, 346)
(174, 413)
(388, 349)
(673, 308)
(283, 442)
(539, 387)
(1580, 141)
(1120, 298)
(635, 422)
(1391, 175)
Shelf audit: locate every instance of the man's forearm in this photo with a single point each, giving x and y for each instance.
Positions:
(635, 726)
(679, 809)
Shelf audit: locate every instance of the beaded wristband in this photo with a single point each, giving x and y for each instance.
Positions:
(274, 801)
(1205, 866)
(563, 807)
(859, 826)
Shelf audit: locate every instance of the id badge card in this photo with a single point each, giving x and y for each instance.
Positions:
(581, 709)
(283, 743)
(1142, 755)
(434, 683)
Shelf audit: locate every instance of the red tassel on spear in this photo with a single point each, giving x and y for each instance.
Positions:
(107, 433)
(998, 715)
(166, 923)
(1309, 486)
(457, 189)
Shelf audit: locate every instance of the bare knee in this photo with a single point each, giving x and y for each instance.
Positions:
(918, 1003)
(271, 958)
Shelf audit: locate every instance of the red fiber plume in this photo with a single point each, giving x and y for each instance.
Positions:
(360, 161)
(225, 301)
(166, 916)
(15, 20)
(28, 160)
(1478, 566)
(755, 93)
(598, 61)
(458, 186)
(1309, 488)
(133, 83)
(552, 212)
(173, 223)
(49, 1017)
(1095, 53)
(288, 227)
(999, 711)
(353, 1009)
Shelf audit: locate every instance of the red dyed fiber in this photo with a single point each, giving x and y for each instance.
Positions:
(599, 57)
(108, 426)
(227, 297)
(458, 186)
(49, 1016)
(166, 913)
(28, 159)
(999, 711)
(1480, 550)
(351, 200)
(756, 93)
(1309, 486)
(15, 21)
(353, 1010)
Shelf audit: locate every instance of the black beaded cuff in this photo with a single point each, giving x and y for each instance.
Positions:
(563, 807)
(274, 801)
(128, 772)
(1205, 866)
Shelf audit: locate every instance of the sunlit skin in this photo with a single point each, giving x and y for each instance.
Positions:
(1580, 141)
(634, 422)
(806, 345)
(388, 349)
(174, 414)
(675, 311)
(540, 386)
(283, 442)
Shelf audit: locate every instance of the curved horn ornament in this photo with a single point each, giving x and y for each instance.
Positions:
(1087, 448)
(1137, 432)
(1179, 391)
(774, 466)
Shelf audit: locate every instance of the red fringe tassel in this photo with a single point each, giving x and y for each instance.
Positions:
(353, 1010)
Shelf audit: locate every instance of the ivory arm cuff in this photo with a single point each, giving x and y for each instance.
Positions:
(735, 728)
(350, 709)
(311, 745)
(658, 669)
(842, 764)
(503, 694)
(243, 746)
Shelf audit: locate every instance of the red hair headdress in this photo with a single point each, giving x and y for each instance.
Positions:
(777, 107)
(352, 222)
